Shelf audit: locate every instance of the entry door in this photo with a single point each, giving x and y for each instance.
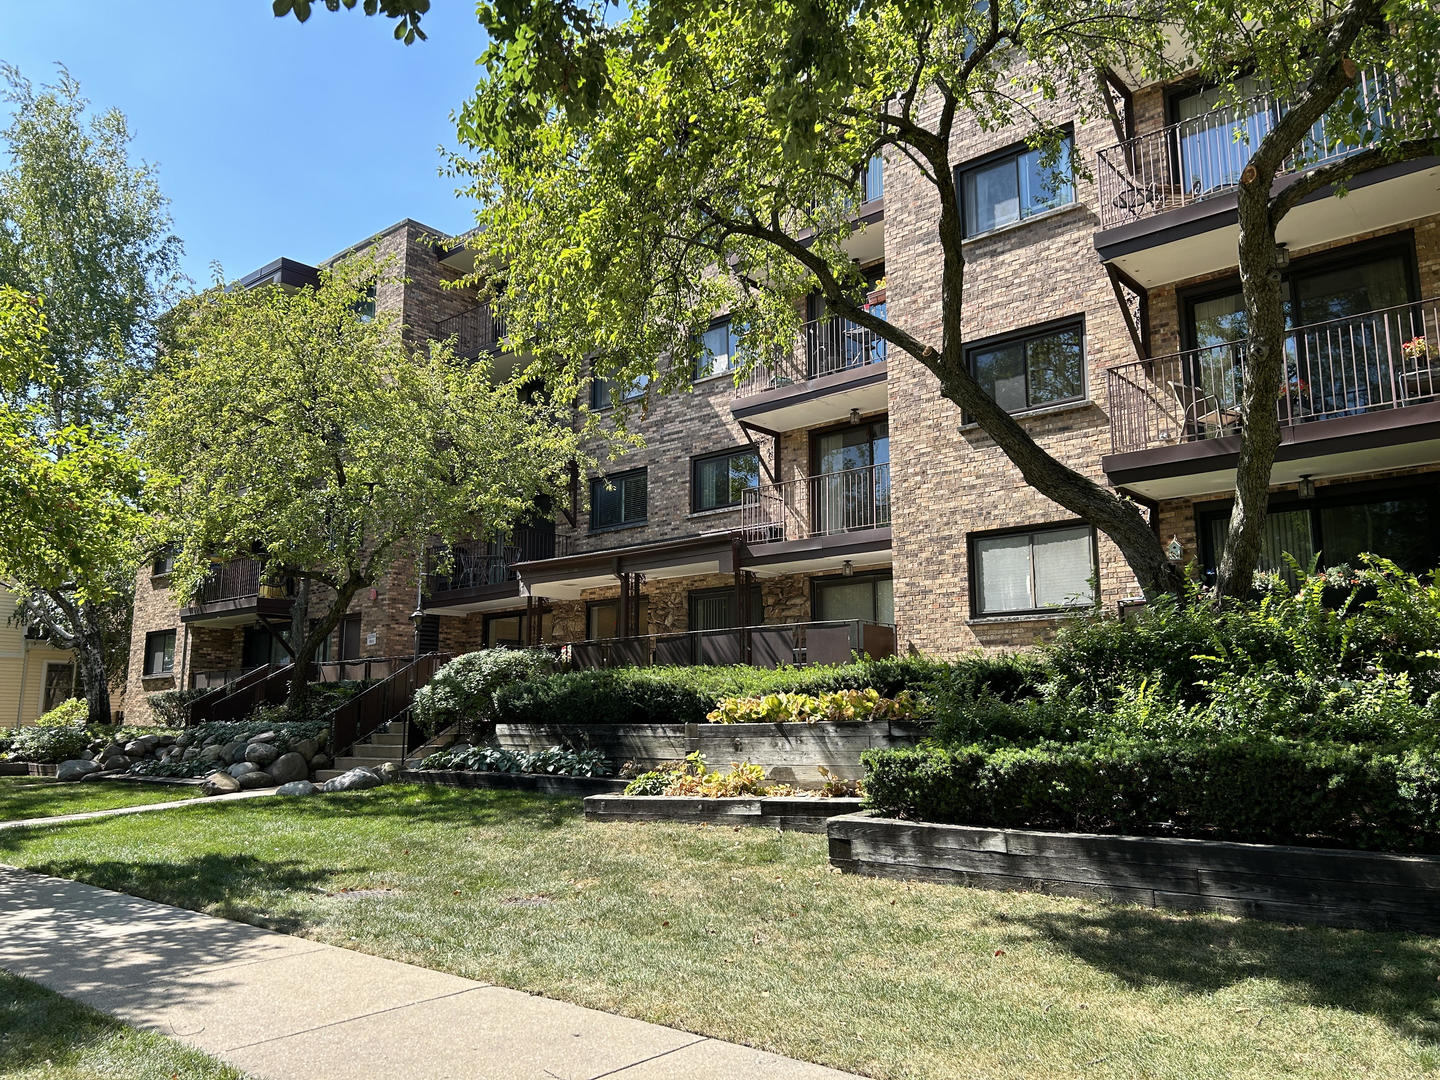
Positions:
(350, 637)
(851, 486)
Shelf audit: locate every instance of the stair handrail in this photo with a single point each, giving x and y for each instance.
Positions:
(383, 703)
(197, 711)
(266, 690)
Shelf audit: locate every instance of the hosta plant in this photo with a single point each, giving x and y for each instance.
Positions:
(836, 706)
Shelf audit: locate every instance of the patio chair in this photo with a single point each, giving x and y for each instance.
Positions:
(1202, 414)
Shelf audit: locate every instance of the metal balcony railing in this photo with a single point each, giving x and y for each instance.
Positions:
(481, 563)
(476, 332)
(782, 645)
(230, 581)
(1202, 157)
(848, 501)
(823, 347)
(1384, 359)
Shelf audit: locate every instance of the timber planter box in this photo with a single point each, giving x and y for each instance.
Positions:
(789, 753)
(1371, 890)
(544, 783)
(36, 769)
(799, 814)
(14, 768)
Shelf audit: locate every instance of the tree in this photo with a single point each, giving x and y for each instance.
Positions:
(84, 232)
(292, 427)
(1308, 54)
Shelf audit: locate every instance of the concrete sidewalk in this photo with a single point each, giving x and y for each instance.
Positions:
(286, 1008)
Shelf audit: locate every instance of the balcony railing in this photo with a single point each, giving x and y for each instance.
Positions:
(481, 563)
(848, 501)
(1201, 157)
(230, 581)
(828, 642)
(1384, 359)
(823, 347)
(476, 332)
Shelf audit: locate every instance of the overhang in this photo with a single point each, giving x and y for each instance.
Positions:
(820, 400)
(866, 548)
(569, 576)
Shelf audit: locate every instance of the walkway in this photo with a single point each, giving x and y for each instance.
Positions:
(144, 808)
(286, 1008)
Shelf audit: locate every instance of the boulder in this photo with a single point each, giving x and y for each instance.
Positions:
(119, 763)
(357, 779)
(320, 760)
(264, 736)
(261, 754)
(256, 779)
(387, 771)
(113, 750)
(190, 753)
(163, 741)
(185, 738)
(297, 787)
(141, 747)
(219, 783)
(307, 748)
(241, 768)
(235, 751)
(213, 752)
(288, 767)
(75, 769)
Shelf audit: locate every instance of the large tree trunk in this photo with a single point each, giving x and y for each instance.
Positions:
(308, 639)
(90, 654)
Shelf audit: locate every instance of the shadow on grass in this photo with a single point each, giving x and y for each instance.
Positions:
(431, 804)
(1389, 976)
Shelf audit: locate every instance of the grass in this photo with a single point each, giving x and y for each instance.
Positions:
(24, 797)
(45, 1037)
(745, 934)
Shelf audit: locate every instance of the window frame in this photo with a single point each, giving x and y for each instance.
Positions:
(598, 483)
(1013, 151)
(1026, 334)
(163, 565)
(637, 391)
(757, 618)
(697, 459)
(592, 605)
(145, 670)
(45, 705)
(731, 336)
(973, 573)
(819, 584)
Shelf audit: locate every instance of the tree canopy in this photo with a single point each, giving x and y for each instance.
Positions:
(292, 427)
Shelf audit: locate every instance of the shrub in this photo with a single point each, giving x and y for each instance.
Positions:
(172, 707)
(287, 733)
(49, 745)
(462, 693)
(1254, 789)
(72, 713)
(838, 706)
(557, 761)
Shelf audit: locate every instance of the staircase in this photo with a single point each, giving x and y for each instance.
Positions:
(379, 748)
(373, 727)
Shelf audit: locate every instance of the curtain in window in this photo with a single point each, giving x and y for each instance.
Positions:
(1214, 141)
(1004, 573)
(1062, 567)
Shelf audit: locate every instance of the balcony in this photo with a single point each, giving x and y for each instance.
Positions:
(830, 642)
(819, 522)
(1360, 394)
(234, 593)
(477, 332)
(479, 575)
(836, 366)
(1167, 197)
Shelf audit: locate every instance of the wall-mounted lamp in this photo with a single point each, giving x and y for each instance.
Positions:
(854, 416)
(1282, 256)
(1307, 488)
(847, 568)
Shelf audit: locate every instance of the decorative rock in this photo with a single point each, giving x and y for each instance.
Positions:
(297, 787)
(288, 767)
(307, 748)
(219, 783)
(213, 752)
(357, 779)
(113, 750)
(142, 746)
(75, 769)
(164, 741)
(119, 763)
(261, 754)
(256, 779)
(319, 761)
(190, 754)
(386, 771)
(185, 738)
(241, 768)
(264, 736)
(235, 751)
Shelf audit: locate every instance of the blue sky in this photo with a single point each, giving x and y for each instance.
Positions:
(271, 138)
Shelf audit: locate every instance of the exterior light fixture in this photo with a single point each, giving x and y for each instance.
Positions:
(1307, 488)
(847, 568)
(1282, 256)
(417, 618)
(854, 416)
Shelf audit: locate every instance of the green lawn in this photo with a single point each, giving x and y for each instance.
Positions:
(23, 797)
(745, 934)
(45, 1037)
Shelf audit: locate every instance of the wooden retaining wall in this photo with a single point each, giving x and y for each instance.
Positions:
(543, 783)
(798, 814)
(789, 753)
(1371, 890)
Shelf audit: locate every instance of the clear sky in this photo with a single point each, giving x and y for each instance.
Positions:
(271, 138)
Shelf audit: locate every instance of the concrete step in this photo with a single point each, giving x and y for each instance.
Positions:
(348, 762)
(321, 775)
(387, 738)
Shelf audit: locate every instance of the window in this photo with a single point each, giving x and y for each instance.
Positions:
(59, 686)
(159, 652)
(260, 647)
(867, 597)
(618, 500)
(718, 348)
(510, 630)
(164, 562)
(714, 609)
(721, 480)
(602, 618)
(1034, 370)
(602, 391)
(1033, 571)
(1014, 187)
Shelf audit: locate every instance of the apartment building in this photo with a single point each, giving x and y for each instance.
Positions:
(833, 500)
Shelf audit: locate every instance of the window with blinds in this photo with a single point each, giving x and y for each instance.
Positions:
(721, 480)
(714, 609)
(1035, 571)
(618, 500)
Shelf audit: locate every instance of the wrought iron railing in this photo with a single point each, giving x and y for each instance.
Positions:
(230, 581)
(1203, 156)
(476, 331)
(824, 347)
(821, 642)
(480, 563)
(851, 500)
(1384, 359)
(384, 703)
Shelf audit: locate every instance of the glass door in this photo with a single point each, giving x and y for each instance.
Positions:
(851, 486)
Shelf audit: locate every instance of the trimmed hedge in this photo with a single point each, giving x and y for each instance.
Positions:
(1247, 788)
(669, 695)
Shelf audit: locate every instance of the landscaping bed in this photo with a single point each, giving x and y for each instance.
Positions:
(1361, 889)
(543, 783)
(795, 812)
